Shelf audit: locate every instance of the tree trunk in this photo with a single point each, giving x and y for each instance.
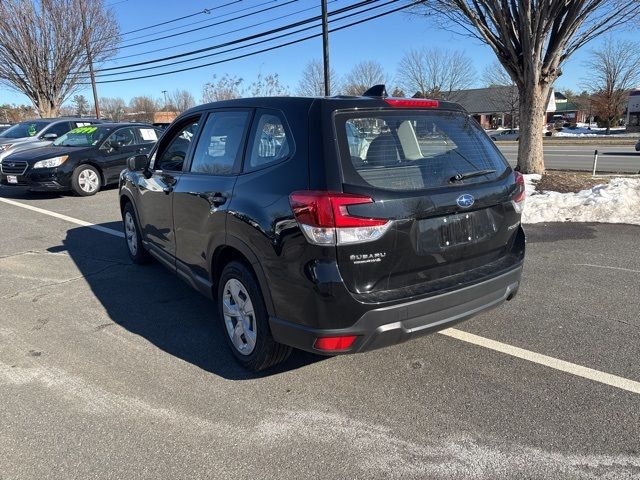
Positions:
(533, 105)
(608, 126)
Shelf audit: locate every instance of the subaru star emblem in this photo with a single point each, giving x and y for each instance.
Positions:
(465, 201)
(11, 164)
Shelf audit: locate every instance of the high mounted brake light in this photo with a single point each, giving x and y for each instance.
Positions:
(325, 220)
(412, 103)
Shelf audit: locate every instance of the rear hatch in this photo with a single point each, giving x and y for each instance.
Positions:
(440, 192)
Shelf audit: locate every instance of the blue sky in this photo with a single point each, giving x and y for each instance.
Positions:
(384, 40)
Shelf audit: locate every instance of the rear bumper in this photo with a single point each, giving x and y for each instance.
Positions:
(398, 323)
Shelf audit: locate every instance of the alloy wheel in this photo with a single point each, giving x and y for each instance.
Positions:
(239, 316)
(88, 180)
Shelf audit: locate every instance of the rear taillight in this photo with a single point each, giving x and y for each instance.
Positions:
(325, 220)
(412, 102)
(519, 196)
(334, 344)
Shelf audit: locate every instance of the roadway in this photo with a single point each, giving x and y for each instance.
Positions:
(611, 158)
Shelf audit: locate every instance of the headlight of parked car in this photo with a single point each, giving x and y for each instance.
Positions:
(51, 162)
(6, 146)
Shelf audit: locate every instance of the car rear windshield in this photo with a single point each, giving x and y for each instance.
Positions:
(414, 150)
(24, 129)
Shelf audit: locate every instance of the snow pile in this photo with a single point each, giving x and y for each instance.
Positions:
(617, 202)
(594, 132)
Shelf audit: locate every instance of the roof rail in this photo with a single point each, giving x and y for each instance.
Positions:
(376, 91)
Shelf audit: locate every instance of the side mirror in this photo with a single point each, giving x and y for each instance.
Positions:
(50, 136)
(137, 163)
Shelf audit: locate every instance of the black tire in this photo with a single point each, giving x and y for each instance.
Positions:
(79, 183)
(133, 239)
(267, 352)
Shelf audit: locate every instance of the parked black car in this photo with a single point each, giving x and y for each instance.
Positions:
(82, 160)
(40, 132)
(305, 244)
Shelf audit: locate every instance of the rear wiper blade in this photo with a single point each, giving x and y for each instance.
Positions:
(461, 176)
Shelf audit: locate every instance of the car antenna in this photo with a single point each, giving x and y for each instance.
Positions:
(376, 91)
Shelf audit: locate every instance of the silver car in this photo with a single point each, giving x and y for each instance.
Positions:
(510, 135)
(37, 133)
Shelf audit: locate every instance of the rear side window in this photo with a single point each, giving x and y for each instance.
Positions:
(270, 142)
(414, 150)
(220, 143)
(148, 135)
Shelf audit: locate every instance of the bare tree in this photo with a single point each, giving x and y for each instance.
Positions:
(532, 40)
(143, 108)
(181, 100)
(363, 76)
(613, 69)
(113, 108)
(42, 46)
(435, 73)
(81, 105)
(494, 75)
(226, 87)
(268, 86)
(311, 83)
(16, 113)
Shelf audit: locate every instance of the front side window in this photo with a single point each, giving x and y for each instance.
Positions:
(59, 129)
(220, 143)
(270, 142)
(122, 138)
(415, 150)
(171, 156)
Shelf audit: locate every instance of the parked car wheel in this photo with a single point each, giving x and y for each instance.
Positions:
(86, 180)
(137, 252)
(245, 321)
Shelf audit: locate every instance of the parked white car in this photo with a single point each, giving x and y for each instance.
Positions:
(512, 135)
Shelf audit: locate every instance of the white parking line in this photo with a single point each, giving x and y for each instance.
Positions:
(568, 367)
(110, 231)
(555, 363)
(607, 267)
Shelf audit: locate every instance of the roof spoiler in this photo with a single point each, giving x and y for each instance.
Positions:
(376, 91)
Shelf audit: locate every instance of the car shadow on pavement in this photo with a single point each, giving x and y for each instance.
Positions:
(150, 301)
(23, 193)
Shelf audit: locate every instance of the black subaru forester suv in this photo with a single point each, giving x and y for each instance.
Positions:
(332, 225)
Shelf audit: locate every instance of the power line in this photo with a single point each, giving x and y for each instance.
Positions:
(201, 12)
(246, 27)
(358, 22)
(233, 12)
(245, 39)
(206, 26)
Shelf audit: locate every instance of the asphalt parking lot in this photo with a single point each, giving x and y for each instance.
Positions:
(112, 370)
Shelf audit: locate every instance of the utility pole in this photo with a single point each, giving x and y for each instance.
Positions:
(164, 92)
(85, 34)
(325, 48)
